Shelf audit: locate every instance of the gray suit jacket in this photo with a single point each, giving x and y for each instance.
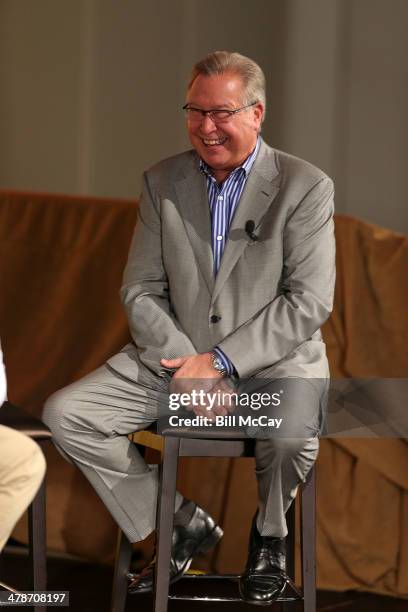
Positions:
(271, 295)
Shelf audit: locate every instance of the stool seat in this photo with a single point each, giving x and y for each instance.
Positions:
(16, 418)
(207, 433)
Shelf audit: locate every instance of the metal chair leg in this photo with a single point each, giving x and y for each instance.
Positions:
(122, 564)
(290, 541)
(308, 540)
(290, 550)
(165, 516)
(37, 543)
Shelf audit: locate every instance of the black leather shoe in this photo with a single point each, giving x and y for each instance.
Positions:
(264, 579)
(200, 534)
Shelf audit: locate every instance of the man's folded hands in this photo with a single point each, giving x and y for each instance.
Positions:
(211, 394)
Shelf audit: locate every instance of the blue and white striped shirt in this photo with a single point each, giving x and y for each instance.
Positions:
(223, 200)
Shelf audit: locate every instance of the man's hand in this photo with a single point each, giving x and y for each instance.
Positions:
(196, 373)
(192, 366)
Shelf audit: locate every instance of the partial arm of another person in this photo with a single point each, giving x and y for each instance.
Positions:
(22, 469)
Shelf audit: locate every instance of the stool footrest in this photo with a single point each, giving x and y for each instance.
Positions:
(220, 588)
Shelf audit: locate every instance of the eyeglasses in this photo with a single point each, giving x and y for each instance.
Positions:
(221, 115)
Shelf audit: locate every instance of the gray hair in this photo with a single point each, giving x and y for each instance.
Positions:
(221, 62)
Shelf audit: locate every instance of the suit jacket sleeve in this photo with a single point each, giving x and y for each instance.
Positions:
(145, 293)
(307, 288)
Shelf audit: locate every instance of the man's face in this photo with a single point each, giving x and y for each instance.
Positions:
(223, 146)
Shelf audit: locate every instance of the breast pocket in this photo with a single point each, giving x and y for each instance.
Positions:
(263, 258)
(259, 269)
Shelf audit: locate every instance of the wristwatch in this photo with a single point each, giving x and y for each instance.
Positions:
(217, 364)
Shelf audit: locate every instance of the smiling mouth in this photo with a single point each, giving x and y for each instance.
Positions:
(211, 142)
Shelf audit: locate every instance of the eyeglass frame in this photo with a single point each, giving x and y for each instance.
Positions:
(209, 113)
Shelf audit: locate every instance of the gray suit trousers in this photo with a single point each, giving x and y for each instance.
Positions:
(90, 420)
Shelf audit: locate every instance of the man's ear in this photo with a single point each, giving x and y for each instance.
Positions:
(258, 115)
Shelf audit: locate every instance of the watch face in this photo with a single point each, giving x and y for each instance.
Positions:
(218, 365)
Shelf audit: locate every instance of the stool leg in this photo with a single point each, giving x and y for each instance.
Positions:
(122, 564)
(165, 516)
(290, 550)
(308, 541)
(37, 543)
(290, 541)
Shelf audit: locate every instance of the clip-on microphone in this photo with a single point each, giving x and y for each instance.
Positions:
(249, 230)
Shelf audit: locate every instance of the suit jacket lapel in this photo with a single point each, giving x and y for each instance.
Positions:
(260, 190)
(195, 212)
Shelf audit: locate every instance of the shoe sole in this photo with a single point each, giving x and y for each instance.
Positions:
(210, 541)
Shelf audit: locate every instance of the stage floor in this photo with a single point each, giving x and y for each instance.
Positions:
(90, 584)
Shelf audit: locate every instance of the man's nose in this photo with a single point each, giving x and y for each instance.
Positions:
(207, 124)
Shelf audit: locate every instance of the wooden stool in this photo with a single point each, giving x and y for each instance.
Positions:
(181, 443)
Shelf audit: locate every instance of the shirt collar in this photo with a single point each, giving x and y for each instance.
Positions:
(246, 166)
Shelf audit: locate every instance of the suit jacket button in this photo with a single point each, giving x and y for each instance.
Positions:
(215, 318)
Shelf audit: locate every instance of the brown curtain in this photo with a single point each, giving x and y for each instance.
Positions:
(60, 317)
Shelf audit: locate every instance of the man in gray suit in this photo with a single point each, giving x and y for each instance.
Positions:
(230, 276)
